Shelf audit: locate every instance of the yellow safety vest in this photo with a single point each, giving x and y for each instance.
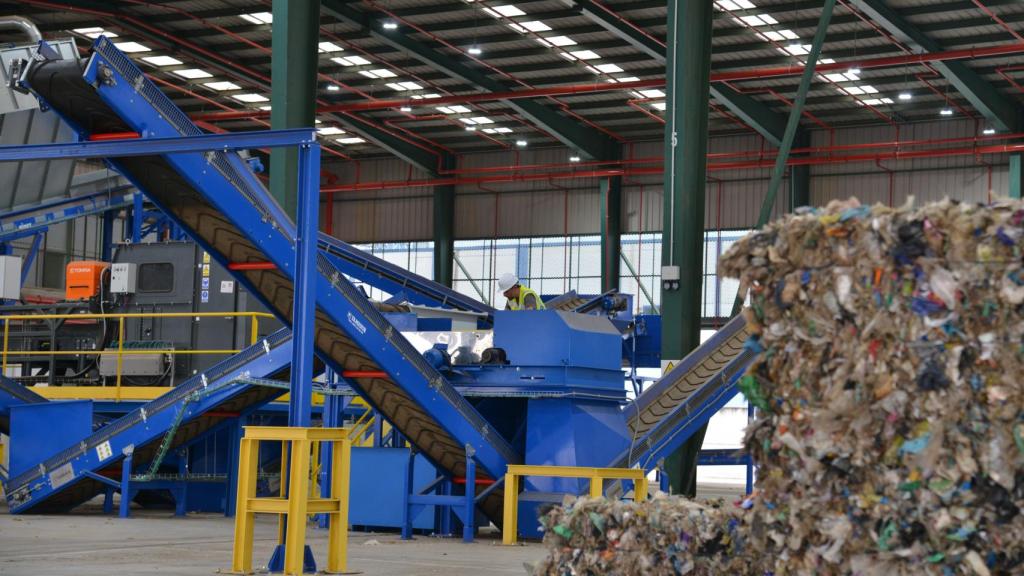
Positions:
(517, 303)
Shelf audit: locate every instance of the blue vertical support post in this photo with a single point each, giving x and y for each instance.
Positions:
(407, 488)
(333, 407)
(378, 430)
(107, 240)
(236, 432)
(126, 478)
(300, 405)
(469, 522)
(137, 216)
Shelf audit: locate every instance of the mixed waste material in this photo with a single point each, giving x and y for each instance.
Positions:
(889, 435)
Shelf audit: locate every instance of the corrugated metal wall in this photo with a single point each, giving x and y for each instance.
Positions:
(572, 206)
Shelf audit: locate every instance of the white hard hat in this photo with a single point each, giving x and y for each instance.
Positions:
(507, 281)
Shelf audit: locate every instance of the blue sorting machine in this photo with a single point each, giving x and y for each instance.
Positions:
(550, 390)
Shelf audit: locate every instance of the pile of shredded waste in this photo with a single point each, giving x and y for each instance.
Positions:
(889, 435)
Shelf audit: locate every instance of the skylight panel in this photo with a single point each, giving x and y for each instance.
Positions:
(250, 98)
(503, 130)
(797, 49)
(535, 26)
(162, 60)
(95, 32)
(469, 121)
(585, 54)
(411, 86)
(482, 120)
(192, 73)
(560, 41)
(629, 79)
(869, 89)
(350, 140)
(658, 105)
(853, 90)
(459, 109)
(423, 96)
(608, 68)
(652, 93)
(350, 60)
(735, 5)
(368, 74)
(223, 85)
(130, 47)
(258, 17)
(508, 11)
(445, 110)
(327, 47)
(384, 73)
(397, 87)
(330, 131)
(517, 27)
(835, 77)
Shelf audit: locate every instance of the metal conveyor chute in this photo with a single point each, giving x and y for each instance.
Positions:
(224, 207)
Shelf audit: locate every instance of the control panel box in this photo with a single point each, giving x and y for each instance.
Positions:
(123, 278)
(10, 277)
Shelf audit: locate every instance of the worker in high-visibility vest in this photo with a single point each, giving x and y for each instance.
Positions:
(518, 297)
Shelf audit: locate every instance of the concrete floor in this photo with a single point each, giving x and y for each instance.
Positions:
(87, 543)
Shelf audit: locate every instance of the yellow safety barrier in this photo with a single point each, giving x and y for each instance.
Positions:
(293, 507)
(597, 476)
(121, 352)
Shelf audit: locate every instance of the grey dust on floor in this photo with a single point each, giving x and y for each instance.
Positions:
(158, 543)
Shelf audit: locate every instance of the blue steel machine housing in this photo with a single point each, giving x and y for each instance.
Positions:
(558, 401)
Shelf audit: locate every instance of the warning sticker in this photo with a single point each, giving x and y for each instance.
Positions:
(206, 270)
(206, 257)
(63, 474)
(103, 451)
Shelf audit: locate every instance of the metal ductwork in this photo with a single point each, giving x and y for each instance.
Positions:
(23, 24)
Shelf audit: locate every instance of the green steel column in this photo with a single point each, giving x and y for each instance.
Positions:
(686, 142)
(444, 233)
(800, 176)
(1016, 176)
(611, 231)
(293, 88)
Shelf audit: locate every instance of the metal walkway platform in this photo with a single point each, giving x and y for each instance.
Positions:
(224, 207)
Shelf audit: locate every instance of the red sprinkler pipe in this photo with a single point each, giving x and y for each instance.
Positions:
(240, 266)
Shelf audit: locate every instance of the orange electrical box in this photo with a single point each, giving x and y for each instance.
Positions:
(83, 279)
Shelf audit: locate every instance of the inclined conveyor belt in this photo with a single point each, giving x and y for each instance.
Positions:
(224, 207)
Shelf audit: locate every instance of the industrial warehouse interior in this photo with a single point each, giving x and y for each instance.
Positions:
(553, 287)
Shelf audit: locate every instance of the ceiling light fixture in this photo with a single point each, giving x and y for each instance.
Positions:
(988, 131)
(406, 108)
(905, 95)
(946, 112)
(333, 87)
(521, 143)
(855, 71)
(574, 158)
(475, 50)
(390, 25)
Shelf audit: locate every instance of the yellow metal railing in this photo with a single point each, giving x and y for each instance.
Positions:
(121, 352)
(597, 476)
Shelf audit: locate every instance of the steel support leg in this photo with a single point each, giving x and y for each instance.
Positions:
(469, 522)
(304, 304)
(686, 134)
(611, 231)
(106, 249)
(126, 488)
(407, 488)
(138, 213)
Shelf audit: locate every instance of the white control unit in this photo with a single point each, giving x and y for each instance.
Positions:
(10, 277)
(123, 277)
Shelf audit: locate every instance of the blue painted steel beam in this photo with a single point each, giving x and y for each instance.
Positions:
(1002, 112)
(590, 142)
(304, 301)
(25, 222)
(159, 146)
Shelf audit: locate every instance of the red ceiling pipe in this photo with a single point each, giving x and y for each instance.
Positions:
(732, 76)
(455, 99)
(242, 266)
(364, 374)
(714, 166)
(103, 137)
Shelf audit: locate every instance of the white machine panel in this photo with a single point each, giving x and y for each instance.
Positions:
(123, 276)
(10, 277)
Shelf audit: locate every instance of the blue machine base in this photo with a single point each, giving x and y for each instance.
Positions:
(276, 564)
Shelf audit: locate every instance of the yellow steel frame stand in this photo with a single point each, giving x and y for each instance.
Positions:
(293, 509)
(597, 476)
